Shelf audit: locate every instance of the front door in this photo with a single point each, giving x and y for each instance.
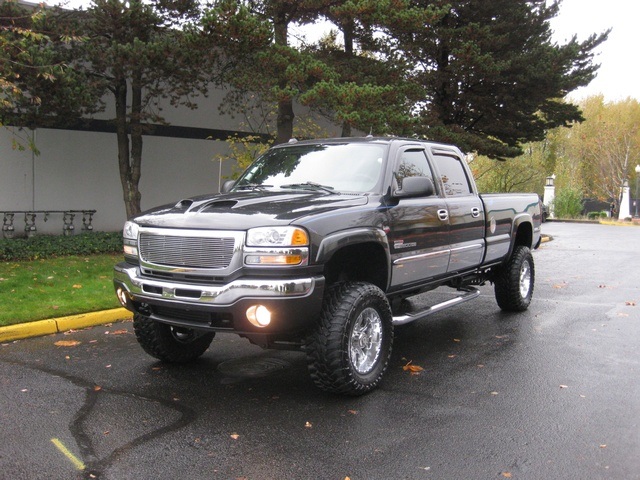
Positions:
(419, 227)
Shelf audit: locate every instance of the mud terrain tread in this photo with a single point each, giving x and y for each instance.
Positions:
(326, 348)
(156, 339)
(507, 281)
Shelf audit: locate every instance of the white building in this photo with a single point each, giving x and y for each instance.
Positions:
(77, 169)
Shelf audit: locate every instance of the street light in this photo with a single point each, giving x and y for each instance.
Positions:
(636, 202)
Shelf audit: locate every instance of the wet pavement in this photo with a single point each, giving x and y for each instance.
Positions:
(550, 393)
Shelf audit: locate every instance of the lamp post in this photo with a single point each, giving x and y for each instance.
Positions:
(637, 176)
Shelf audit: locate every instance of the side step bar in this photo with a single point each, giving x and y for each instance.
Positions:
(467, 293)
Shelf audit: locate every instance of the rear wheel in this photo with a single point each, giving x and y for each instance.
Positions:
(168, 343)
(349, 350)
(514, 281)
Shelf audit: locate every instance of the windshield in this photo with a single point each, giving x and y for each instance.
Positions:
(334, 167)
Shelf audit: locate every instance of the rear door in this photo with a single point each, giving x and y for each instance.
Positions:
(419, 227)
(465, 209)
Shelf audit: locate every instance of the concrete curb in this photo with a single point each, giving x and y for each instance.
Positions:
(83, 320)
(62, 324)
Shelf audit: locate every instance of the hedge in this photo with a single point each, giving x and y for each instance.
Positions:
(48, 246)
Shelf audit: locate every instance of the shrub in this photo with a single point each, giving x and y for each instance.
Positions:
(568, 203)
(596, 215)
(48, 246)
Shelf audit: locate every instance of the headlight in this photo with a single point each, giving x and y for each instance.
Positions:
(130, 231)
(277, 247)
(130, 239)
(277, 237)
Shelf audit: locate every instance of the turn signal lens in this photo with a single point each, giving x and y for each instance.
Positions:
(299, 238)
(274, 259)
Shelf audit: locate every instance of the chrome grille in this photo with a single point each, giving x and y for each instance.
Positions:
(196, 252)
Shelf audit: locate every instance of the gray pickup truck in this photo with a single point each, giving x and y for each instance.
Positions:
(316, 246)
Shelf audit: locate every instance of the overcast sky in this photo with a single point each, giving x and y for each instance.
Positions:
(619, 74)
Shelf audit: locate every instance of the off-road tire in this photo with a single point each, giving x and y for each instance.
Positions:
(515, 280)
(170, 344)
(349, 350)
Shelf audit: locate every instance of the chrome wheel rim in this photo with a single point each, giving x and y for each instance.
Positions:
(365, 342)
(525, 279)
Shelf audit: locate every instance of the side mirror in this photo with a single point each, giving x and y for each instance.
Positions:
(415, 187)
(227, 186)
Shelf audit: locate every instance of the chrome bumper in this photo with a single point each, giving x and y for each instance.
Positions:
(141, 288)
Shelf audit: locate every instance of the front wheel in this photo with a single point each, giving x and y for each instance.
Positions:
(168, 343)
(349, 350)
(515, 280)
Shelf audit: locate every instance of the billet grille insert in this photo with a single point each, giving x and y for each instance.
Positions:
(196, 252)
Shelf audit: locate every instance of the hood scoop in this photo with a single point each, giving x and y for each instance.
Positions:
(184, 204)
(218, 205)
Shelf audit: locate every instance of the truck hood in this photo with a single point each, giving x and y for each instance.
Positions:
(243, 210)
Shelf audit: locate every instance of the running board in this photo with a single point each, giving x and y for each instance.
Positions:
(467, 293)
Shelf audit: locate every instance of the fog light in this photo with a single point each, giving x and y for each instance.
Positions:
(122, 296)
(259, 315)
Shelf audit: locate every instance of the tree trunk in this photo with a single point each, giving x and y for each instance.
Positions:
(285, 105)
(129, 174)
(347, 31)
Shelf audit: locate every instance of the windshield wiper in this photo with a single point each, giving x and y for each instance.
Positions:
(312, 185)
(252, 186)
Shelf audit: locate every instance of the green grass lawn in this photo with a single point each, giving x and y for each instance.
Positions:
(56, 287)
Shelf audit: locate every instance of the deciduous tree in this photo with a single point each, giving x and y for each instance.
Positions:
(39, 84)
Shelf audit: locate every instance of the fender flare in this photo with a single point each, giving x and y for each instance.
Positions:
(519, 220)
(338, 240)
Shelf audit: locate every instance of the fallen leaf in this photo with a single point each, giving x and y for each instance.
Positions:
(119, 332)
(97, 388)
(457, 340)
(308, 425)
(77, 286)
(235, 436)
(560, 285)
(603, 446)
(506, 474)
(353, 412)
(414, 369)
(67, 343)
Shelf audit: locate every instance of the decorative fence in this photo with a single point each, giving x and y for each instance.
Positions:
(29, 216)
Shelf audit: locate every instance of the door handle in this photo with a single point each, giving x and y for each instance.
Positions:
(475, 212)
(443, 214)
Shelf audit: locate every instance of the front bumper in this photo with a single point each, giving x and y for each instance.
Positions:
(294, 302)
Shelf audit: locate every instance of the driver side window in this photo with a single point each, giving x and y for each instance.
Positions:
(413, 163)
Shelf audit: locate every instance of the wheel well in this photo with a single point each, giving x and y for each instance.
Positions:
(365, 262)
(524, 235)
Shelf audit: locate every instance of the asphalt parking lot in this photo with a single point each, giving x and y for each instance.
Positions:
(551, 393)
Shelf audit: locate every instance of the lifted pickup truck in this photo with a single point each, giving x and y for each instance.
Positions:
(316, 246)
